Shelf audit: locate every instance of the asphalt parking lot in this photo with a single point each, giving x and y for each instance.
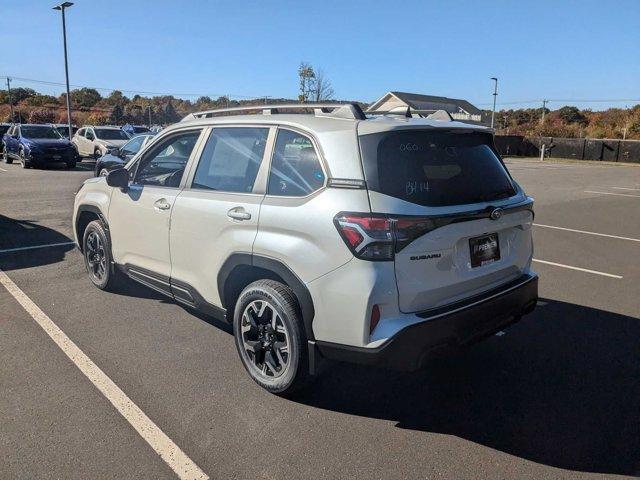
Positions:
(556, 396)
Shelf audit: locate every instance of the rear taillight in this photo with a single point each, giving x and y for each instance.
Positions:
(367, 236)
(378, 237)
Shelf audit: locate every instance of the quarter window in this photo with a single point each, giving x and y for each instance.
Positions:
(231, 159)
(295, 168)
(165, 164)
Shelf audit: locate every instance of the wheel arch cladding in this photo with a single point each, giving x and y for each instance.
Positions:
(87, 214)
(241, 269)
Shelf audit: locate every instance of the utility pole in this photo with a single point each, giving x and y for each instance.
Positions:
(9, 93)
(495, 94)
(149, 107)
(62, 7)
(544, 109)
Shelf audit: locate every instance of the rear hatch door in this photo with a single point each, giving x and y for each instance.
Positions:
(461, 224)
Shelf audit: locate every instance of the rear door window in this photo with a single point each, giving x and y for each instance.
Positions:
(231, 159)
(435, 168)
(295, 168)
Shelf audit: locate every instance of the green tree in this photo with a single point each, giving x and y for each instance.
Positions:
(117, 114)
(170, 114)
(85, 97)
(572, 115)
(116, 98)
(17, 95)
(39, 100)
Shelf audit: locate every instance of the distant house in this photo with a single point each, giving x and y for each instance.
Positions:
(460, 110)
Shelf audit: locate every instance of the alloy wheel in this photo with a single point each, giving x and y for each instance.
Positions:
(96, 258)
(265, 339)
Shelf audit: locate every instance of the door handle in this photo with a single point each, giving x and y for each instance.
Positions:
(238, 213)
(162, 204)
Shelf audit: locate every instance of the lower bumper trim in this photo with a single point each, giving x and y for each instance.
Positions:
(410, 348)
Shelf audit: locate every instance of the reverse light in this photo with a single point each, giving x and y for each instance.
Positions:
(379, 237)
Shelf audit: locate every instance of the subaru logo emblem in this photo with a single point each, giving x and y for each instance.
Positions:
(496, 214)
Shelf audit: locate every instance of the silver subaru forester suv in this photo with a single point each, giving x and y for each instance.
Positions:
(372, 238)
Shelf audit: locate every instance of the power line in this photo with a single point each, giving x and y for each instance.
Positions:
(565, 100)
(109, 89)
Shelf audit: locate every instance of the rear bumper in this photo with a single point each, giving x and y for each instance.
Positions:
(44, 158)
(456, 325)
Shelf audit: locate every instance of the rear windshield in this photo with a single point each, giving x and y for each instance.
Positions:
(111, 134)
(433, 168)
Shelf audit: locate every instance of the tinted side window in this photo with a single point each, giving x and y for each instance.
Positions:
(295, 168)
(231, 159)
(165, 164)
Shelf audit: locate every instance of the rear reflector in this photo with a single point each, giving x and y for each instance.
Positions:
(375, 318)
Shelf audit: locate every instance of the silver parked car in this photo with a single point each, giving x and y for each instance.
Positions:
(373, 239)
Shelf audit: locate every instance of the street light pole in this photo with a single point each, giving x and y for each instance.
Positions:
(495, 94)
(62, 7)
(10, 100)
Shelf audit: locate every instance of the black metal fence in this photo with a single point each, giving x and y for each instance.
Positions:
(610, 150)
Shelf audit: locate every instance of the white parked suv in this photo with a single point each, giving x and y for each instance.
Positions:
(377, 239)
(97, 141)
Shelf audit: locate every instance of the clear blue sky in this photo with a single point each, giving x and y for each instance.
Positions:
(539, 49)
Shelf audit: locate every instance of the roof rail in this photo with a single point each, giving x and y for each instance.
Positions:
(442, 115)
(332, 110)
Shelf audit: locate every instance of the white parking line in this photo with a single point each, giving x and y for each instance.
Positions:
(578, 268)
(182, 465)
(19, 249)
(588, 233)
(611, 193)
(626, 188)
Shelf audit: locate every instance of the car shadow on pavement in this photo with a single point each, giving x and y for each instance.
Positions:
(16, 233)
(561, 388)
(131, 288)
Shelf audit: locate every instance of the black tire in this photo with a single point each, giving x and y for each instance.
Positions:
(294, 371)
(97, 154)
(71, 165)
(96, 241)
(5, 156)
(23, 160)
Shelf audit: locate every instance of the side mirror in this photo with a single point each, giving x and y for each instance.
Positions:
(115, 152)
(118, 178)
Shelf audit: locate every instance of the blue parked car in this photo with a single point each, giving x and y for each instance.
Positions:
(37, 146)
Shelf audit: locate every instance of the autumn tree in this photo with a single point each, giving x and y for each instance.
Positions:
(42, 115)
(306, 77)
